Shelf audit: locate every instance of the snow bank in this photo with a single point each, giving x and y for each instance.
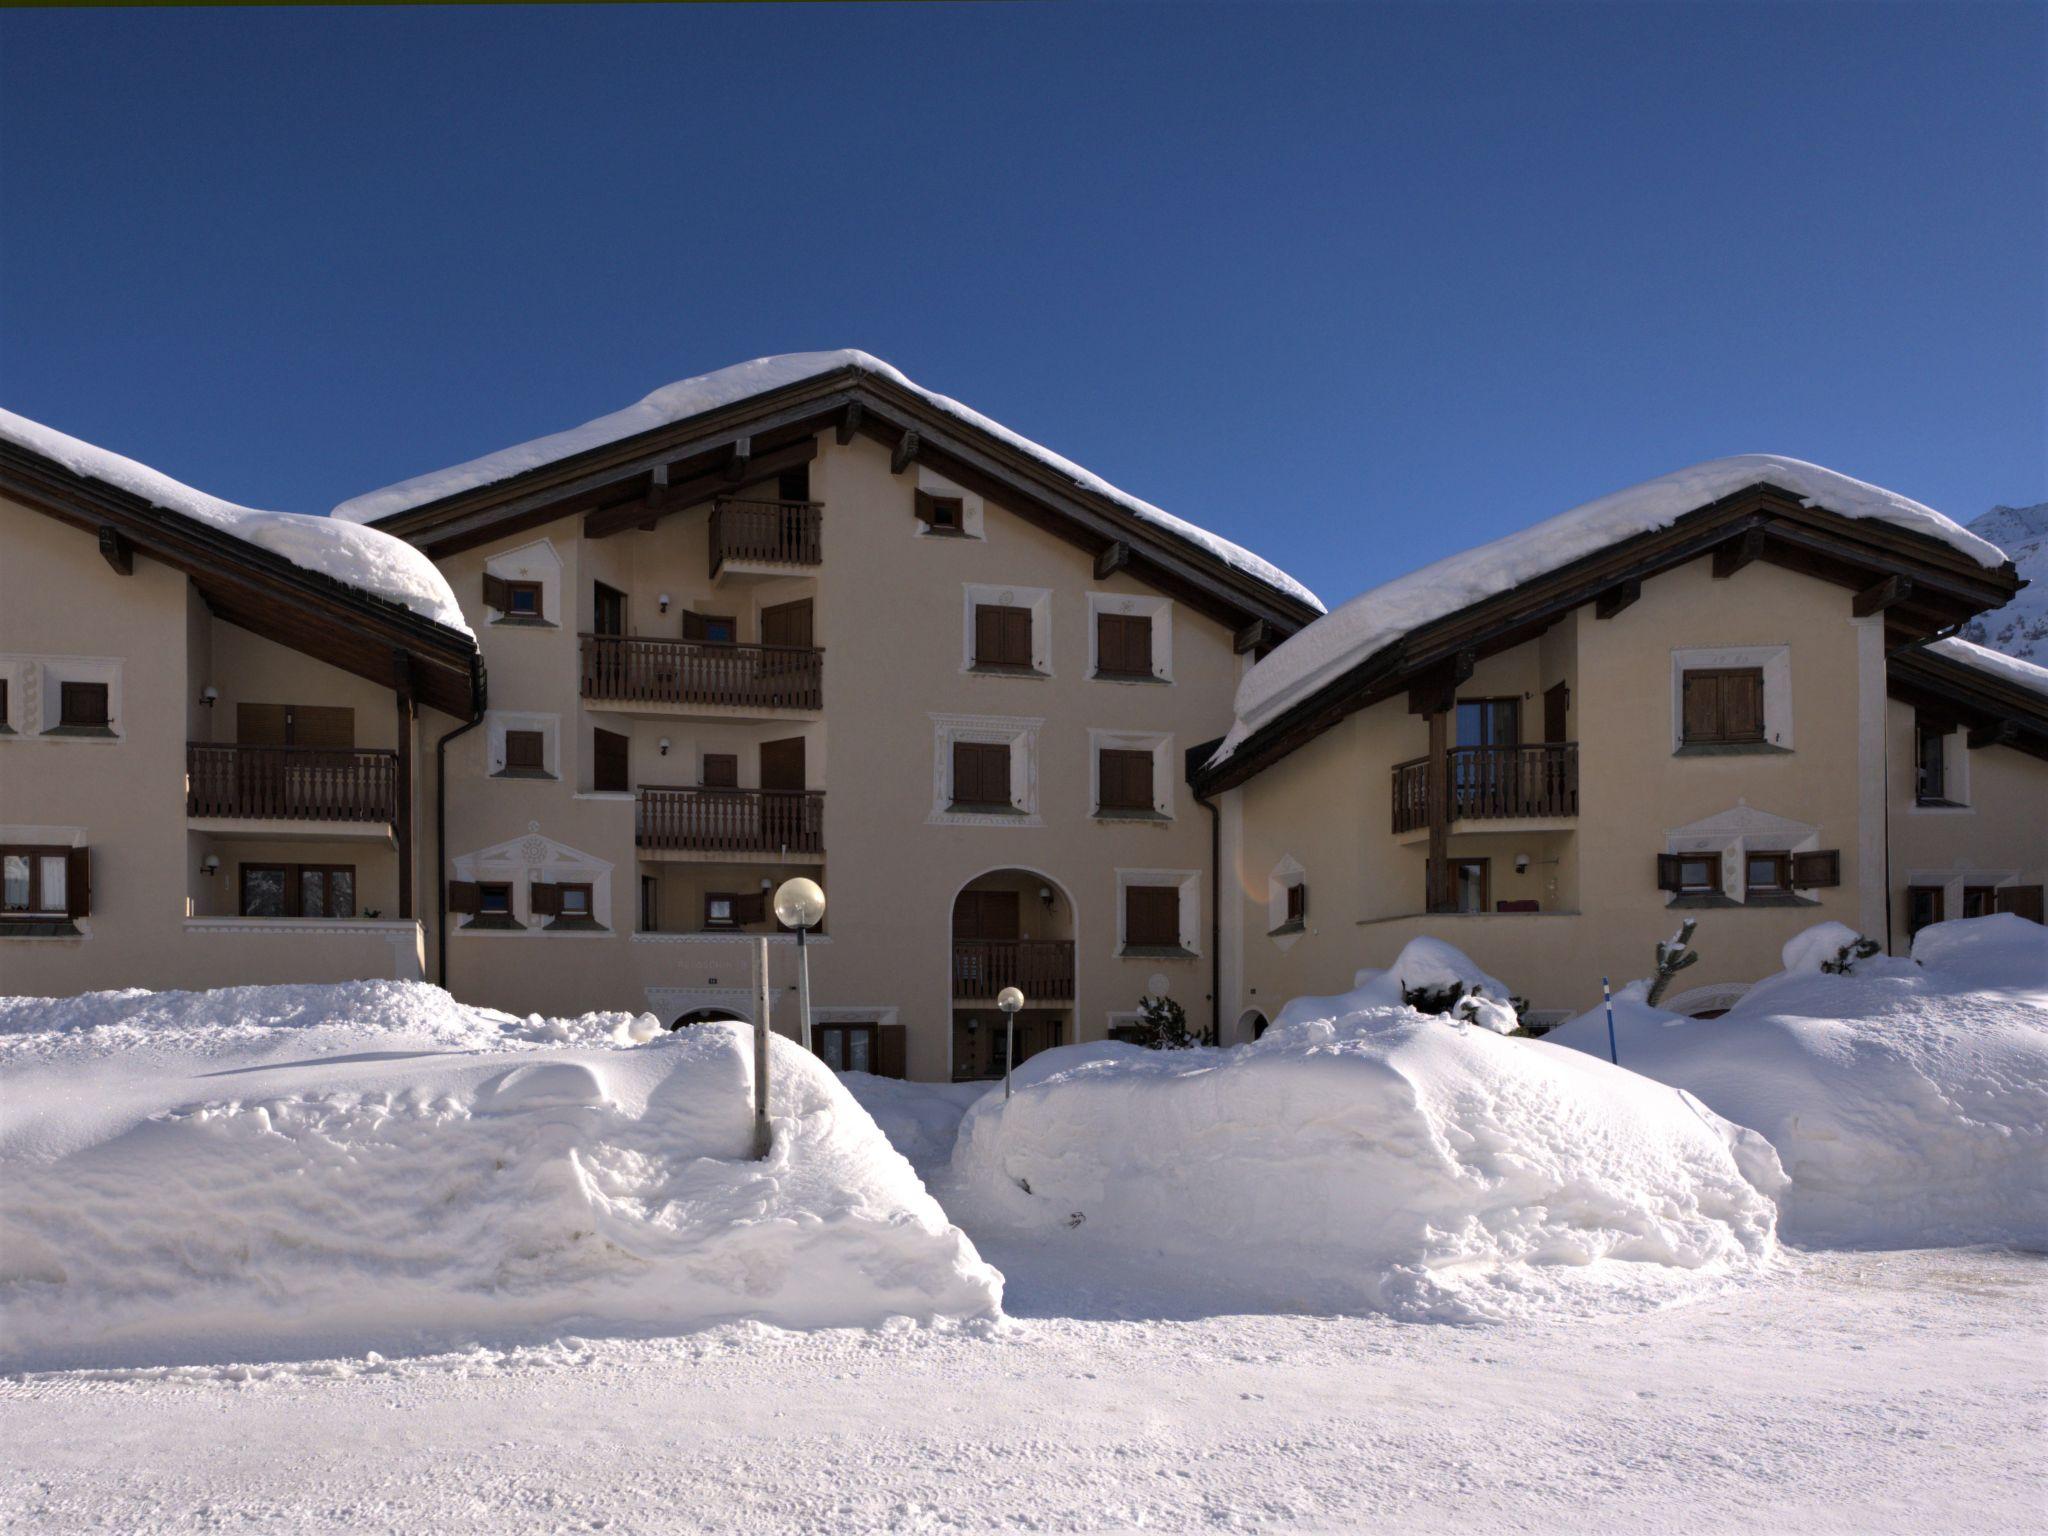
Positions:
(1909, 1101)
(1378, 1159)
(364, 558)
(728, 386)
(1424, 964)
(325, 1170)
(1354, 631)
(921, 1120)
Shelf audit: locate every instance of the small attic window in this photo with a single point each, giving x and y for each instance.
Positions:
(942, 514)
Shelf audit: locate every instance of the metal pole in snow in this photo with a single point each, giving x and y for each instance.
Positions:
(803, 983)
(1608, 998)
(763, 1139)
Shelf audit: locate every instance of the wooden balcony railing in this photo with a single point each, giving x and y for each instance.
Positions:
(732, 820)
(1042, 969)
(291, 783)
(631, 669)
(771, 532)
(1491, 783)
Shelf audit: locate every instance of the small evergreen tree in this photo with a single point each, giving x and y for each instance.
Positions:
(1847, 956)
(1162, 1025)
(1673, 955)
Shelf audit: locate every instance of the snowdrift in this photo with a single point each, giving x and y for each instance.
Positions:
(1378, 1159)
(323, 1170)
(1908, 1099)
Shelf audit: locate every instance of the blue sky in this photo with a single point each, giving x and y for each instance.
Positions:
(1358, 286)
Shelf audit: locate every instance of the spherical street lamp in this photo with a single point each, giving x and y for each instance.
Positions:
(1009, 1000)
(800, 904)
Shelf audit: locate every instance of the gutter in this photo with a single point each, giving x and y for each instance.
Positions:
(1196, 756)
(479, 699)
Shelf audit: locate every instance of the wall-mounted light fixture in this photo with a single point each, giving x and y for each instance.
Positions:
(663, 600)
(209, 695)
(210, 865)
(663, 744)
(1521, 863)
(1045, 895)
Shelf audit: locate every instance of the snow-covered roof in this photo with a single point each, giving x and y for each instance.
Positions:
(1981, 658)
(370, 561)
(1349, 634)
(728, 386)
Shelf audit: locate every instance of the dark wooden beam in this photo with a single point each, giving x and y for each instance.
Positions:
(906, 450)
(849, 422)
(1111, 560)
(1437, 689)
(2000, 733)
(408, 714)
(119, 552)
(1616, 598)
(1888, 593)
(680, 495)
(1742, 550)
(1252, 636)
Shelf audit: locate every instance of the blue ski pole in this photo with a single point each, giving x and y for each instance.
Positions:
(1608, 998)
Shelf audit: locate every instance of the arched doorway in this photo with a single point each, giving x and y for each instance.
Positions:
(1010, 928)
(1250, 1026)
(708, 1016)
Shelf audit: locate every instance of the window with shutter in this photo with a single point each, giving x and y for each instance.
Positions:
(1722, 705)
(82, 706)
(2020, 900)
(1695, 874)
(981, 773)
(721, 909)
(1930, 759)
(1767, 874)
(488, 903)
(495, 595)
(1126, 779)
(462, 897)
(42, 881)
(1819, 867)
(523, 600)
(1152, 916)
(1123, 645)
(1924, 904)
(1002, 636)
(1297, 902)
(570, 904)
(526, 752)
(721, 770)
(940, 514)
(546, 899)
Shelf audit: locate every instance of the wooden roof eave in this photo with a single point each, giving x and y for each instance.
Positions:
(316, 615)
(1949, 688)
(1948, 588)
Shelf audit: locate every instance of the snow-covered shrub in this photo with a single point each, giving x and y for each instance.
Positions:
(1162, 1025)
(1673, 955)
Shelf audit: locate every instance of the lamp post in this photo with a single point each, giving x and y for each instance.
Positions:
(1009, 1000)
(799, 904)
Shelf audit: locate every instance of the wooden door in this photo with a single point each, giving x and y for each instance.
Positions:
(787, 624)
(611, 760)
(782, 765)
(1556, 712)
(607, 610)
(985, 915)
(262, 725)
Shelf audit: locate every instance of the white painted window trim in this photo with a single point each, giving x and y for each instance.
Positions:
(1288, 872)
(1158, 743)
(1955, 774)
(670, 1003)
(524, 862)
(1037, 599)
(1020, 733)
(932, 483)
(498, 721)
(17, 835)
(1158, 609)
(1189, 882)
(1735, 845)
(1776, 662)
(539, 562)
(35, 697)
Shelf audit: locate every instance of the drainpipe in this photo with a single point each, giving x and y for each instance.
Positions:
(478, 698)
(1215, 920)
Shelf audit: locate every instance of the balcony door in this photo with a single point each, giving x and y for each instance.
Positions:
(607, 610)
(1489, 722)
(786, 638)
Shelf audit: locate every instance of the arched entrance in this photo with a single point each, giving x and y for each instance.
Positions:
(708, 1016)
(1010, 928)
(1250, 1026)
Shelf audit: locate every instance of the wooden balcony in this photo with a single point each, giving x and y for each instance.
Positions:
(731, 821)
(1042, 969)
(1492, 784)
(290, 783)
(773, 533)
(719, 675)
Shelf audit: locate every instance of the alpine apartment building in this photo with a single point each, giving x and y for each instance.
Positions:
(551, 726)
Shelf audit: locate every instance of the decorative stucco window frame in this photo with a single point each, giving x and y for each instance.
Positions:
(1037, 599)
(1775, 662)
(1189, 884)
(522, 863)
(1160, 745)
(35, 696)
(498, 721)
(932, 483)
(1020, 734)
(1157, 609)
(1285, 875)
(538, 562)
(1735, 834)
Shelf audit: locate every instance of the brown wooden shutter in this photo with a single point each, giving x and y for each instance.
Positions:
(1742, 706)
(721, 770)
(1126, 779)
(1557, 700)
(981, 773)
(1297, 902)
(751, 907)
(610, 770)
(260, 725)
(922, 506)
(1151, 915)
(323, 725)
(78, 883)
(1702, 706)
(787, 624)
(2020, 900)
(1123, 644)
(782, 765)
(1002, 635)
(495, 595)
(547, 900)
(525, 749)
(463, 897)
(1670, 872)
(694, 626)
(966, 773)
(1823, 867)
(892, 1050)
